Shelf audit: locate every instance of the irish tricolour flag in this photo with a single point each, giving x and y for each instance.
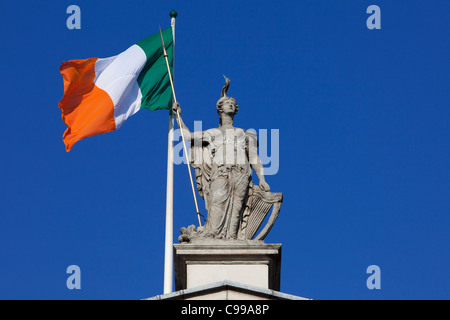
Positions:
(100, 94)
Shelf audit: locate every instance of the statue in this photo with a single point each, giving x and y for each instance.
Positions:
(223, 159)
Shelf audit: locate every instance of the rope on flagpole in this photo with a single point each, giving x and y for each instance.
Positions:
(181, 130)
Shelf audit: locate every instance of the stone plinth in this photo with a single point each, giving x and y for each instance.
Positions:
(256, 264)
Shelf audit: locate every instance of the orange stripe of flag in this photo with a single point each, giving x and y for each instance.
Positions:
(86, 109)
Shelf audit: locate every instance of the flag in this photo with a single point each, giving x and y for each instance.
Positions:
(101, 93)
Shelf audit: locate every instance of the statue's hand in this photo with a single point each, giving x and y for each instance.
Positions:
(264, 186)
(176, 108)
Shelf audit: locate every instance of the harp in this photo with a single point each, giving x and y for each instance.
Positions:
(258, 206)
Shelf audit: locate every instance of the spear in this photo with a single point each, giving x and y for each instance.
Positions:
(179, 125)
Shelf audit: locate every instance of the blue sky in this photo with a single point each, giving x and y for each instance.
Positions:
(363, 157)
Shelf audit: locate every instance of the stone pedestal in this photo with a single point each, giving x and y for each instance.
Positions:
(256, 265)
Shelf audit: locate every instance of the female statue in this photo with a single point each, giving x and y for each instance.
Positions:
(223, 159)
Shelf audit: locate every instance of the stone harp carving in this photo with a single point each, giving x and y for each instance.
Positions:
(258, 206)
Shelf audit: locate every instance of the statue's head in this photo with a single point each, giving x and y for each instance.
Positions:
(225, 103)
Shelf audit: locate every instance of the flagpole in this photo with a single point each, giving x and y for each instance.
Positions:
(168, 251)
(181, 131)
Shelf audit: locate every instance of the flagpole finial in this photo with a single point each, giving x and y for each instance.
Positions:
(173, 14)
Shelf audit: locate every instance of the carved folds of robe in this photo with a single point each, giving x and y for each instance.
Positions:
(221, 159)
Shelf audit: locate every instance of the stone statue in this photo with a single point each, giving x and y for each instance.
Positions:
(223, 159)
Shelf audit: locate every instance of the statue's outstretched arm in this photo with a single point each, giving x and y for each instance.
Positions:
(176, 109)
(188, 135)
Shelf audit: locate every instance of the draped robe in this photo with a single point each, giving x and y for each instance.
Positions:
(221, 159)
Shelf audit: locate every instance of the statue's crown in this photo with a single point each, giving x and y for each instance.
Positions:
(223, 94)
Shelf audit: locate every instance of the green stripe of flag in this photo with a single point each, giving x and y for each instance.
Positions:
(154, 79)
